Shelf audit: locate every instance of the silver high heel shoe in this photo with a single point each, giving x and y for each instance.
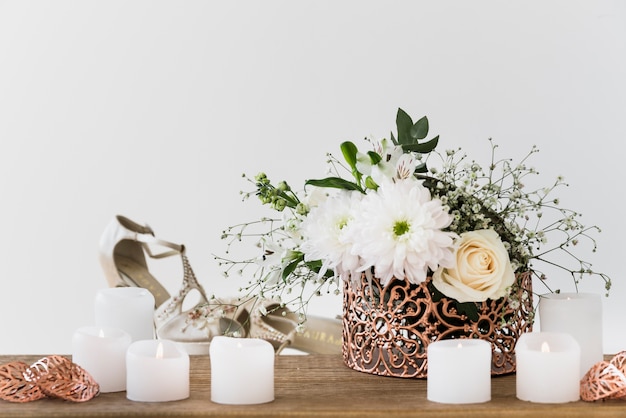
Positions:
(124, 245)
(193, 329)
(284, 328)
(123, 249)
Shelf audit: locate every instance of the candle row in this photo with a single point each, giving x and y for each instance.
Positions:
(121, 354)
(549, 363)
(148, 370)
(242, 369)
(548, 368)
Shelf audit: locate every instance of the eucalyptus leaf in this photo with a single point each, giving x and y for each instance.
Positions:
(420, 129)
(424, 147)
(393, 139)
(421, 168)
(404, 123)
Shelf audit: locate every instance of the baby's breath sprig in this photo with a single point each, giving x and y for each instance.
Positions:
(277, 269)
(528, 221)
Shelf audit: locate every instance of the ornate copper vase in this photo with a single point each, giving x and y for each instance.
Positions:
(386, 330)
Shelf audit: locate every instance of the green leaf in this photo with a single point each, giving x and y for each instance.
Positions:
(370, 183)
(336, 182)
(289, 268)
(393, 139)
(404, 123)
(421, 168)
(420, 129)
(468, 308)
(375, 157)
(316, 265)
(349, 150)
(424, 147)
(435, 294)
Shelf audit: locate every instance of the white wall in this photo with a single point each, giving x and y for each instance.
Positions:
(154, 109)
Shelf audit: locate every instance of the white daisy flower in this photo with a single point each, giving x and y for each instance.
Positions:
(324, 231)
(398, 231)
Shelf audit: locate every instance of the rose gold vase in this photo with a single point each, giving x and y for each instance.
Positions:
(386, 330)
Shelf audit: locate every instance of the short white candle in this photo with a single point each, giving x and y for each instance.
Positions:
(242, 370)
(547, 367)
(157, 371)
(577, 314)
(459, 371)
(128, 308)
(102, 353)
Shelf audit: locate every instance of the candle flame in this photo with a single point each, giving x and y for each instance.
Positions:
(545, 347)
(459, 345)
(101, 333)
(159, 351)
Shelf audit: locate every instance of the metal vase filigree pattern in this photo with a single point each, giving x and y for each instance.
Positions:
(387, 329)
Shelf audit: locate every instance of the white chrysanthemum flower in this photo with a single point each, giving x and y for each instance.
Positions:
(398, 231)
(292, 228)
(324, 231)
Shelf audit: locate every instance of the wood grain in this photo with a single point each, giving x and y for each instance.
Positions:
(312, 386)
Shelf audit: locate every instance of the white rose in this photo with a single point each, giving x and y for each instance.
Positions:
(482, 271)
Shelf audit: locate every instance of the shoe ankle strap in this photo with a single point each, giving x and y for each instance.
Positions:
(147, 241)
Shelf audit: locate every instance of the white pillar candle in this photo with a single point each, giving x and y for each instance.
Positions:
(547, 367)
(128, 308)
(102, 353)
(577, 314)
(459, 371)
(156, 371)
(242, 370)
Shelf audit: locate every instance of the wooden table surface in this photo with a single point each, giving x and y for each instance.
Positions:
(312, 386)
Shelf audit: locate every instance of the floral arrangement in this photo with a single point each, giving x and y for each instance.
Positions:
(403, 210)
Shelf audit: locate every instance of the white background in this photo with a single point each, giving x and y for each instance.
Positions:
(154, 109)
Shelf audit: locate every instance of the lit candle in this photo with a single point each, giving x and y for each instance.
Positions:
(459, 371)
(102, 353)
(242, 370)
(577, 314)
(156, 371)
(128, 308)
(548, 365)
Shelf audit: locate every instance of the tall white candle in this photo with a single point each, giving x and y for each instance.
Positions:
(548, 367)
(459, 371)
(577, 314)
(102, 353)
(242, 370)
(128, 308)
(157, 371)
